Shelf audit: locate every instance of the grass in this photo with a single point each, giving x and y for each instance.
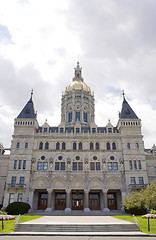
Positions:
(9, 224)
(143, 222)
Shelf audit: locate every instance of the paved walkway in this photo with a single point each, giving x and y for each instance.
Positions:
(77, 220)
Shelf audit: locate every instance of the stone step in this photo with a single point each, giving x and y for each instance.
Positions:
(76, 228)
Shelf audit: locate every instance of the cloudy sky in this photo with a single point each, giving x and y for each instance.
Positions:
(114, 41)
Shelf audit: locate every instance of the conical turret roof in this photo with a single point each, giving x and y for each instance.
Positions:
(126, 111)
(28, 111)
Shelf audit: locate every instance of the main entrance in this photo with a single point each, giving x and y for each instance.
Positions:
(42, 200)
(60, 201)
(112, 200)
(94, 201)
(77, 200)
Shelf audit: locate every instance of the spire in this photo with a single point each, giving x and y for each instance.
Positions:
(28, 111)
(126, 111)
(78, 71)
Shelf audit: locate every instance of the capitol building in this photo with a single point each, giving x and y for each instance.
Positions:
(76, 165)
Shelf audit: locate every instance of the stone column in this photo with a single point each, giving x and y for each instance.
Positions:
(86, 200)
(68, 200)
(30, 199)
(105, 209)
(49, 200)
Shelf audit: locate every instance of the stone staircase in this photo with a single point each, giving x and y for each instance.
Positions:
(58, 228)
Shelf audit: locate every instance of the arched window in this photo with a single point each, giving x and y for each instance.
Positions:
(74, 146)
(63, 146)
(108, 146)
(57, 146)
(80, 146)
(128, 145)
(46, 145)
(41, 145)
(114, 146)
(97, 146)
(91, 146)
(26, 145)
(18, 145)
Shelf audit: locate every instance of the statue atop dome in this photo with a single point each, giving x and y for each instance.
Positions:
(78, 71)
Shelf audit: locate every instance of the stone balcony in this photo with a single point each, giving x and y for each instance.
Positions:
(137, 186)
(16, 185)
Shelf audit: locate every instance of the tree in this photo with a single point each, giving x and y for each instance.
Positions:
(150, 196)
(134, 203)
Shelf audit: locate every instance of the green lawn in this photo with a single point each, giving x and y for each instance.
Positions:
(9, 224)
(143, 222)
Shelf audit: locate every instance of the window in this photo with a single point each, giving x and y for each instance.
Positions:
(15, 164)
(95, 166)
(77, 166)
(45, 166)
(130, 165)
(41, 145)
(19, 164)
(80, 166)
(80, 146)
(112, 166)
(24, 164)
(97, 146)
(133, 180)
(108, 146)
(60, 166)
(139, 164)
(109, 129)
(137, 145)
(128, 145)
(155, 170)
(93, 130)
(11, 198)
(114, 146)
(91, 146)
(69, 117)
(135, 165)
(85, 117)
(61, 130)
(74, 146)
(21, 181)
(141, 180)
(45, 129)
(98, 168)
(13, 180)
(46, 145)
(63, 146)
(26, 145)
(18, 145)
(57, 146)
(115, 166)
(19, 197)
(77, 116)
(77, 130)
(39, 166)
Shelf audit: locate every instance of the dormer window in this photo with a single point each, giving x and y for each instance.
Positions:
(109, 129)
(45, 129)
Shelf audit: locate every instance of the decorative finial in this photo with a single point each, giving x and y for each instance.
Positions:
(78, 71)
(31, 94)
(123, 94)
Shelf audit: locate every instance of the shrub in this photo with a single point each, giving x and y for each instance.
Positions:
(16, 208)
(134, 204)
(153, 211)
(3, 213)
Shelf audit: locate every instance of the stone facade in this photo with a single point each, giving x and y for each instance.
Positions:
(77, 165)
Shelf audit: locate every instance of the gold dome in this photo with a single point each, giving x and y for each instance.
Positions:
(78, 83)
